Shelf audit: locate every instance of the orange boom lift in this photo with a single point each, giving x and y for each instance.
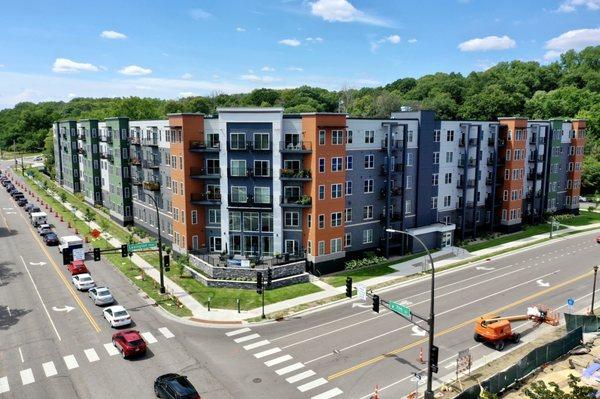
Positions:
(496, 330)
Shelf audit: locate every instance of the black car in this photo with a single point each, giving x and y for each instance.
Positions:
(22, 201)
(33, 209)
(16, 193)
(174, 386)
(50, 239)
(10, 188)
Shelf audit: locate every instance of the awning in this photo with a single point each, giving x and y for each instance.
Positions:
(432, 228)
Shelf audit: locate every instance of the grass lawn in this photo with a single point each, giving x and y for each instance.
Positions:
(366, 273)
(584, 218)
(528, 231)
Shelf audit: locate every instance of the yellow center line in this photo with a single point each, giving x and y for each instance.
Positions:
(64, 280)
(455, 327)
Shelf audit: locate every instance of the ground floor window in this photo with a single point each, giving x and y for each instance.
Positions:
(291, 246)
(215, 244)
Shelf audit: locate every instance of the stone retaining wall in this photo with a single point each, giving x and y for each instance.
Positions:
(248, 285)
(239, 273)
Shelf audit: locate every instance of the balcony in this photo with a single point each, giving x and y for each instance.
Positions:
(304, 201)
(151, 163)
(488, 181)
(396, 144)
(82, 137)
(304, 147)
(461, 142)
(248, 201)
(202, 173)
(490, 160)
(205, 146)
(106, 155)
(205, 198)
(491, 141)
(136, 161)
(135, 140)
(470, 163)
(396, 168)
(501, 143)
(106, 138)
(295, 175)
(151, 185)
(153, 141)
(534, 176)
(395, 191)
(250, 146)
(470, 183)
(137, 180)
(82, 151)
(473, 142)
(394, 217)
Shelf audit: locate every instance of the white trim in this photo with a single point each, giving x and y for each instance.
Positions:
(362, 224)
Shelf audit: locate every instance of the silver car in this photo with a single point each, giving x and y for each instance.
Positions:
(101, 296)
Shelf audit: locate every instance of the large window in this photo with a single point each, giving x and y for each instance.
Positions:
(239, 194)
(368, 186)
(235, 243)
(262, 168)
(336, 245)
(336, 190)
(336, 164)
(262, 195)
(369, 161)
(237, 141)
(337, 137)
(266, 222)
(368, 236)
(291, 164)
(251, 244)
(214, 216)
(251, 221)
(291, 219)
(238, 167)
(261, 141)
(369, 136)
(336, 219)
(291, 192)
(235, 221)
(368, 212)
(212, 167)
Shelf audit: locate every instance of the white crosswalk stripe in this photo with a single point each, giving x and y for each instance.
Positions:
(27, 377)
(299, 377)
(312, 385)
(332, 393)
(278, 360)
(4, 387)
(110, 348)
(70, 362)
(237, 332)
(166, 332)
(246, 338)
(91, 355)
(268, 352)
(149, 337)
(289, 369)
(49, 369)
(258, 344)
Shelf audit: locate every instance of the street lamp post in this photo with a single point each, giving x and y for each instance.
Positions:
(160, 256)
(594, 290)
(430, 321)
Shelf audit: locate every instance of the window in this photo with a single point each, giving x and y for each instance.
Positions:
(336, 245)
(336, 164)
(237, 141)
(321, 137)
(261, 168)
(368, 236)
(409, 182)
(409, 159)
(262, 195)
(261, 141)
(436, 158)
(449, 156)
(194, 216)
(321, 247)
(336, 219)
(369, 161)
(368, 212)
(309, 221)
(447, 201)
(235, 221)
(291, 219)
(214, 216)
(505, 195)
(507, 174)
(369, 136)
(368, 186)
(507, 155)
(239, 194)
(408, 207)
(448, 178)
(337, 137)
(434, 179)
(322, 165)
(349, 137)
(321, 192)
(348, 187)
(347, 215)
(309, 247)
(347, 240)
(251, 221)
(321, 222)
(336, 190)
(436, 136)
(238, 167)
(434, 202)
(450, 135)
(349, 162)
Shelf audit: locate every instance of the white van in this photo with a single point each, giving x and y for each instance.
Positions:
(38, 218)
(72, 242)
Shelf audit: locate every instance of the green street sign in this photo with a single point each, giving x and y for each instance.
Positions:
(141, 245)
(400, 309)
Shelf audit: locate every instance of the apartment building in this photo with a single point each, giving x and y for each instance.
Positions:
(256, 181)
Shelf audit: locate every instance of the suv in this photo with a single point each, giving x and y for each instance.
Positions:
(129, 343)
(22, 201)
(174, 386)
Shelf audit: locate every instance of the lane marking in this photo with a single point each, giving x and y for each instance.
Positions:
(332, 393)
(246, 338)
(149, 337)
(91, 355)
(460, 325)
(319, 325)
(237, 332)
(289, 369)
(110, 348)
(256, 344)
(312, 385)
(278, 360)
(27, 377)
(41, 300)
(49, 369)
(4, 387)
(70, 362)
(21, 354)
(166, 332)
(299, 377)
(268, 352)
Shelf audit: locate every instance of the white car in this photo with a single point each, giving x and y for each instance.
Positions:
(44, 228)
(83, 281)
(583, 199)
(101, 296)
(117, 316)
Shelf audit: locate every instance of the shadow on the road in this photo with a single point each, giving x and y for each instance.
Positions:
(7, 274)
(402, 360)
(8, 320)
(149, 355)
(136, 308)
(4, 232)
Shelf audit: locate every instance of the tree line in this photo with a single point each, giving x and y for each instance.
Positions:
(568, 87)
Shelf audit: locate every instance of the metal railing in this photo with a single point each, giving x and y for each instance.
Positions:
(300, 147)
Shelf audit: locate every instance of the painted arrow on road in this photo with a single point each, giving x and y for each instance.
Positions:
(37, 263)
(419, 332)
(63, 309)
(360, 305)
(541, 283)
(11, 213)
(485, 268)
(8, 209)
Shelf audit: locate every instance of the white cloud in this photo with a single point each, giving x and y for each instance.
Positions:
(111, 34)
(295, 69)
(573, 39)
(240, 29)
(66, 65)
(314, 39)
(290, 42)
(198, 13)
(488, 43)
(267, 68)
(393, 39)
(135, 70)
(187, 76)
(187, 94)
(72, 95)
(412, 41)
(262, 79)
(343, 11)
(572, 5)
(215, 77)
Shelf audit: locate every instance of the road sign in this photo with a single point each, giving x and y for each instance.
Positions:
(400, 309)
(570, 302)
(361, 290)
(141, 245)
(79, 254)
(95, 233)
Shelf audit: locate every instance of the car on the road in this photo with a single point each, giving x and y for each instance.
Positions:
(77, 267)
(44, 229)
(174, 386)
(28, 207)
(117, 316)
(38, 158)
(33, 209)
(83, 282)
(10, 188)
(6, 182)
(15, 192)
(129, 343)
(22, 201)
(50, 239)
(101, 296)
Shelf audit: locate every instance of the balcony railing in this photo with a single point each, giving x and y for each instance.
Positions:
(470, 163)
(490, 161)
(151, 185)
(395, 144)
(135, 140)
(472, 142)
(137, 180)
(488, 181)
(395, 191)
(534, 176)
(295, 174)
(396, 168)
(203, 173)
(461, 142)
(491, 141)
(239, 201)
(204, 146)
(394, 217)
(106, 138)
(82, 137)
(151, 163)
(82, 151)
(304, 201)
(106, 155)
(205, 198)
(251, 146)
(303, 147)
(153, 141)
(470, 183)
(136, 161)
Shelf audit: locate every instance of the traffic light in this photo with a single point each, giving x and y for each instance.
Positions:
(96, 254)
(269, 277)
(349, 287)
(433, 358)
(376, 303)
(124, 250)
(167, 262)
(259, 283)
(67, 255)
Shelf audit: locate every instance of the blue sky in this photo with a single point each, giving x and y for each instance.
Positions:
(56, 50)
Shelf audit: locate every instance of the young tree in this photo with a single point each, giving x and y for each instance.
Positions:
(539, 390)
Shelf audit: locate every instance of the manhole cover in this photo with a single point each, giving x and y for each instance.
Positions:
(257, 380)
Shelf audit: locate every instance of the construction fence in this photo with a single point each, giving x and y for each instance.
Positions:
(534, 359)
(589, 323)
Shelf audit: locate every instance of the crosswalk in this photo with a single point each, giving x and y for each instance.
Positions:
(284, 365)
(74, 361)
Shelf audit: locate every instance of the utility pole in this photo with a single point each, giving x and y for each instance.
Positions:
(160, 255)
(594, 290)
(551, 225)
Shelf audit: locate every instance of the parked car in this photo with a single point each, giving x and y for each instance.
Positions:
(22, 201)
(174, 386)
(28, 207)
(44, 229)
(33, 209)
(77, 267)
(9, 188)
(583, 199)
(50, 239)
(83, 282)
(129, 343)
(117, 316)
(14, 192)
(101, 295)
(38, 158)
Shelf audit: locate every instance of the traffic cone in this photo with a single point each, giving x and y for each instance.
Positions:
(376, 393)
(421, 356)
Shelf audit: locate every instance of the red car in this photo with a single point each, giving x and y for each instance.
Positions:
(129, 343)
(598, 239)
(77, 267)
